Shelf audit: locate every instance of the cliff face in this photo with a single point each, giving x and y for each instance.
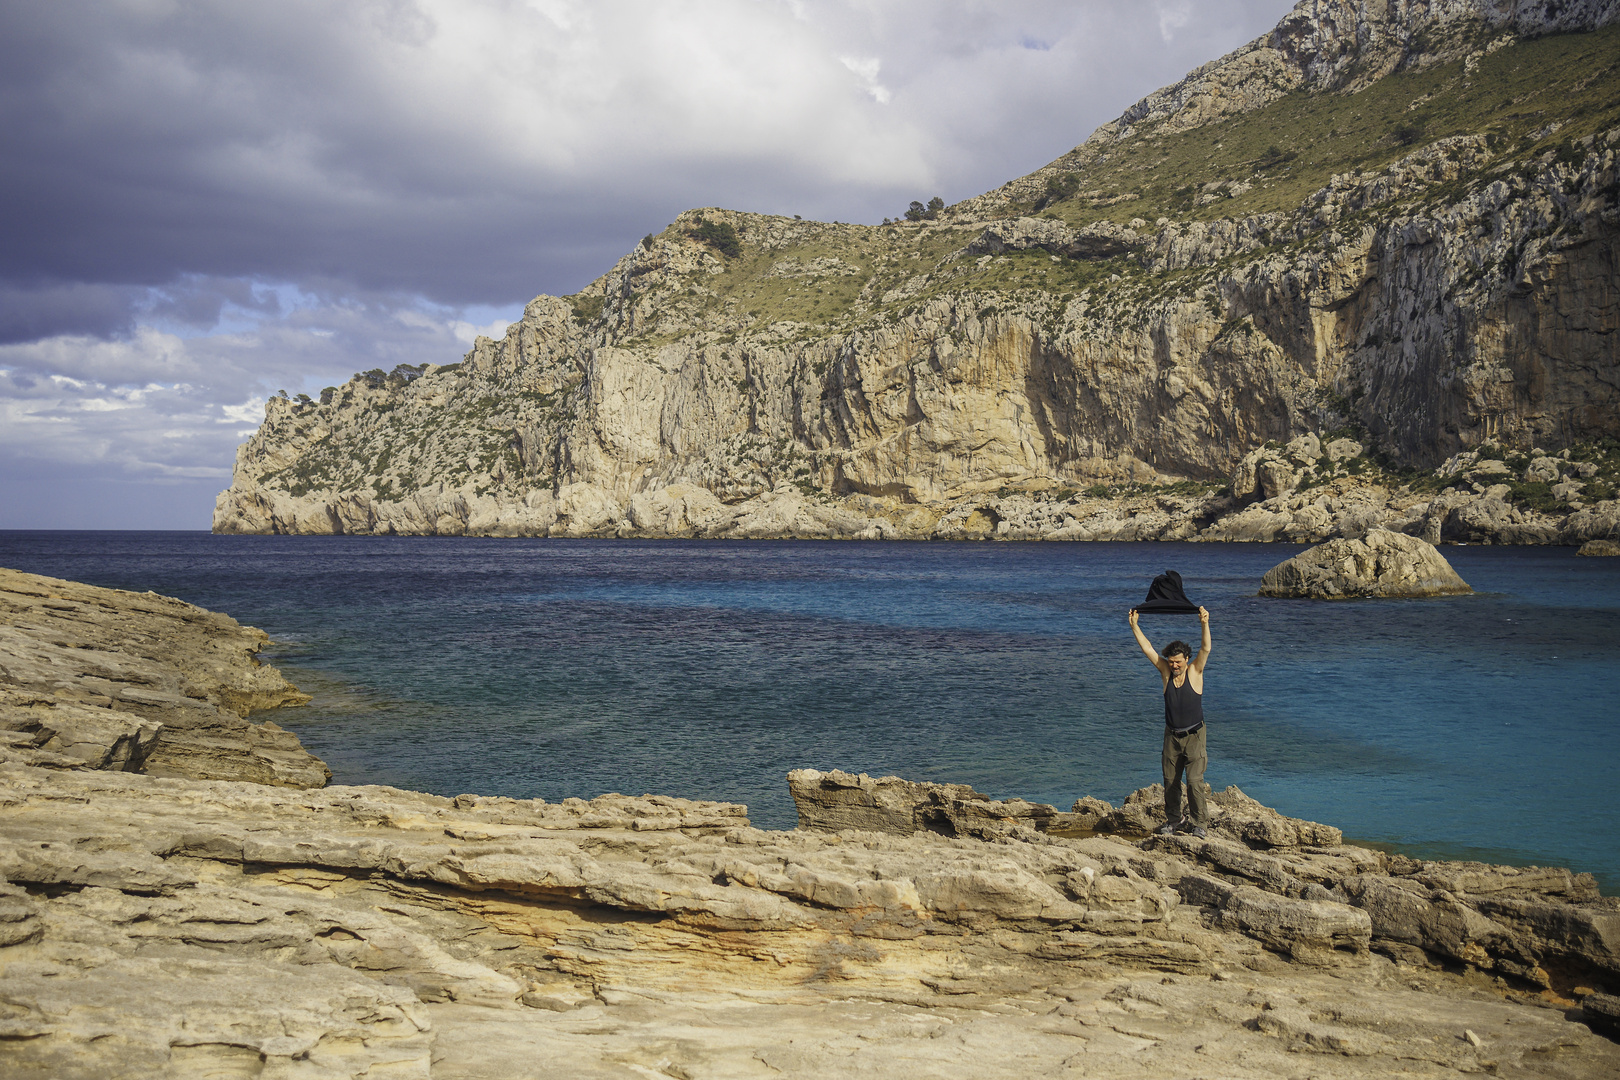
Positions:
(1396, 221)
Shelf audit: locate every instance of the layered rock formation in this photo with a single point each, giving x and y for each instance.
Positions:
(1503, 919)
(177, 926)
(1382, 564)
(181, 927)
(106, 679)
(1397, 221)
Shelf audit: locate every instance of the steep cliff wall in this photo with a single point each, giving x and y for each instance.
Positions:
(1396, 221)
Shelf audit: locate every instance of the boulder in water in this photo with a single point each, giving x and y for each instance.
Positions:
(1383, 564)
(1600, 547)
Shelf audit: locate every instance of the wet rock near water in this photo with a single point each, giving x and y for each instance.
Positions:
(1600, 547)
(107, 679)
(1382, 564)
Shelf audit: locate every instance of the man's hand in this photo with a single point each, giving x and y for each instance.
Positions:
(1133, 618)
(1203, 646)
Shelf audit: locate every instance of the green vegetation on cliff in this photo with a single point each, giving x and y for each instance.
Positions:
(1527, 98)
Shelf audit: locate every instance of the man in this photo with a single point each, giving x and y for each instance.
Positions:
(1184, 750)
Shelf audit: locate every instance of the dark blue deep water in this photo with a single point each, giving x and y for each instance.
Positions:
(1484, 727)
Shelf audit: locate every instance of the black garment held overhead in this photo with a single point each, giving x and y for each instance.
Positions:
(1183, 707)
(1165, 597)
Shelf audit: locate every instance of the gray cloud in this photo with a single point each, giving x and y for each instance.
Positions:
(205, 201)
(31, 312)
(483, 151)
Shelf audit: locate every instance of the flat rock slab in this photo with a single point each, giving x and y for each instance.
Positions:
(174, 927)
(1383, 564)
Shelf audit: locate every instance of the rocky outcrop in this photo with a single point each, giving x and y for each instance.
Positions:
(1602, 1014)
(157, 926)
(96, 678)
(1599, 547)
(1433, 296)
(833, 801)
(1382, 564)
(1292, 885)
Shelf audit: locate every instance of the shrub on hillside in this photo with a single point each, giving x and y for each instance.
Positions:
(1407, 134)
(718, 235)
(920, 212)
(1061, 187)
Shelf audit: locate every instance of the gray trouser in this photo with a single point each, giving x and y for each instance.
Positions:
(1185, 753)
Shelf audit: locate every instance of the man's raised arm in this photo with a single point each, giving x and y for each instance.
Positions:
(1147, 646)
(1203, 645)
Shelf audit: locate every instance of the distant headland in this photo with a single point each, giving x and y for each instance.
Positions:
(1357, 273)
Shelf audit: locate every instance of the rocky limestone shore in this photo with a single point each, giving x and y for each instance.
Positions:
(106, 679)
(181, 926)
(155, 926)
(1275, 494)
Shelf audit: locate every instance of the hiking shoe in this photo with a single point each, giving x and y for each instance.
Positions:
(1170, 828)
(1199, 831)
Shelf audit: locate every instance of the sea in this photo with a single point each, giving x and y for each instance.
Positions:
(1481, 727)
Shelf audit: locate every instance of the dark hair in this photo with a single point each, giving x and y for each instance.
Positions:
(1178, 647)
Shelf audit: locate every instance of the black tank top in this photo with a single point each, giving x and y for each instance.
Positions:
(1183, 706)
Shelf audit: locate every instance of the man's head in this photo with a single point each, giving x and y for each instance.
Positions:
(1179, 654)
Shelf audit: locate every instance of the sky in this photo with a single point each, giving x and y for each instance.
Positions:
(204, 202)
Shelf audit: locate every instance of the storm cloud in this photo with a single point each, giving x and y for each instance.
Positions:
(205, 202)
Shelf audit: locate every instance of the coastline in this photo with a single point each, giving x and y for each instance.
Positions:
(345, 930)
(1018, 631)
(1207, 513)
(1309, 491)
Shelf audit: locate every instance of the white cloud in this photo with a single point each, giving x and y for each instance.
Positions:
(1173, 17)
(250, 411)
(866, 68)
(467, 333)
(156, 406)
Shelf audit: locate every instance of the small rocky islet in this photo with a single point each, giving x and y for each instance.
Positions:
(157, 921)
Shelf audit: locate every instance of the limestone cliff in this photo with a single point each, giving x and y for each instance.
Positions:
(1392, 224)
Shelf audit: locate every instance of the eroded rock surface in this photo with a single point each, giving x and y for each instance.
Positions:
(106, 679)
(836, 800)
(160, 926)
(1382, 564)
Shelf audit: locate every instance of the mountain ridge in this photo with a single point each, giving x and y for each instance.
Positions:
(1421, 258)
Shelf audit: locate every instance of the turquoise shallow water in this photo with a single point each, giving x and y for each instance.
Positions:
(1468, 727)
